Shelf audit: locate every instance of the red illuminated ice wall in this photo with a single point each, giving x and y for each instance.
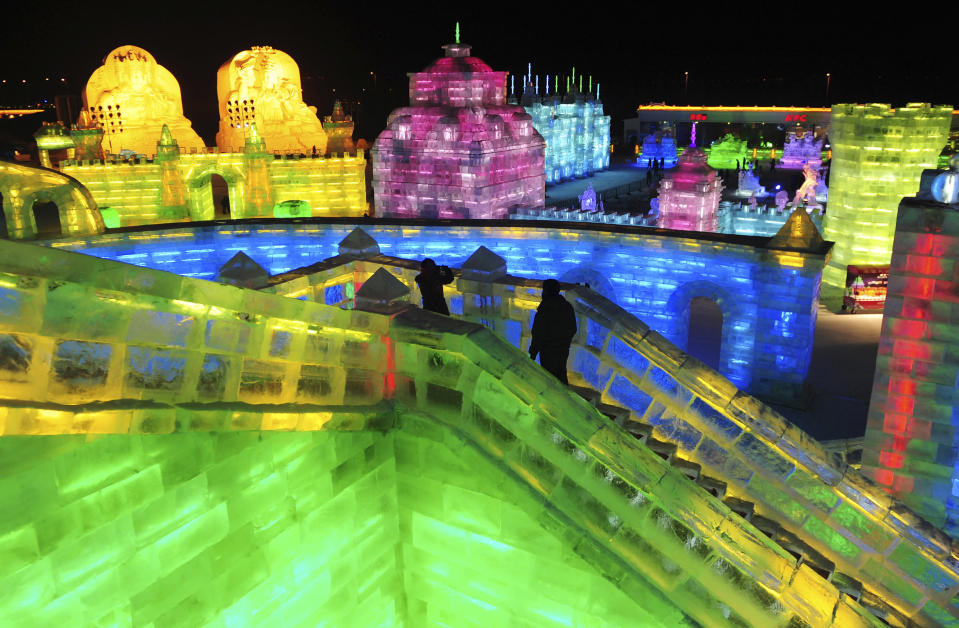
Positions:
(911, 434)
(689, 195)
(458, 150)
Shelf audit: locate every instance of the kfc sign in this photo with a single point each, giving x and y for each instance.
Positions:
(697, 117)
(796, 117)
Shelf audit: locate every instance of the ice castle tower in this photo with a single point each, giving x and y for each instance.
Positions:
(458, 150)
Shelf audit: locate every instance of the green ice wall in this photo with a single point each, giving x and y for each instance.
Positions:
(282, 529)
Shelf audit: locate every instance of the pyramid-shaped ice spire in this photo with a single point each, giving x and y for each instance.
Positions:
(382, 293)
(359, 244)
(798, 232)
(243, 272)
(483, 265)
(166, 137)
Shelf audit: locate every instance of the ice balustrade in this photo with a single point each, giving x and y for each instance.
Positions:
(154, 353)
(790, 477)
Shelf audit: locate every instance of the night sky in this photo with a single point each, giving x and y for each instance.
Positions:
(743, 54)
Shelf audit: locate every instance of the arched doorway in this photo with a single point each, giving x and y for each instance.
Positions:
(705, 331)
(221, 196)
(46, 214)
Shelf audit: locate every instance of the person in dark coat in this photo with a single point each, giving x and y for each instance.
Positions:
(554, 326)
(431, 280)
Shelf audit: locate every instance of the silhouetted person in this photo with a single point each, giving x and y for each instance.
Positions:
(315, 154)
(431, 280)
(553, 329)
(225, 205)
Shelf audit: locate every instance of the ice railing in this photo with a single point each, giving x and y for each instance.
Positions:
(765, 459)
(95, 346)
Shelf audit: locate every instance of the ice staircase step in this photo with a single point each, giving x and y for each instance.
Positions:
(588, 394)
(741, 507)
(803, 553)
(716, 487)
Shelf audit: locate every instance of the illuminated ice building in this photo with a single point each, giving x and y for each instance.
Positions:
(878, 156)
(658, 146)
(689, 194)
(575, 130)
(458, 150)
(800, 151)
(912, 432)
(726, 152)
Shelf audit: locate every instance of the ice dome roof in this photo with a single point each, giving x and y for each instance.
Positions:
(457, 60)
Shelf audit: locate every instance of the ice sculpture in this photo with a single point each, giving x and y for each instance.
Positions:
(689, 194)
(262, 86)
(658, 146)
(576, 133)
(458, 150)
(339, 131)
(807, 191)
(727, 152)
(749, 184)
(587, 200)
(782, 199)
(802, 149)
(130, 97)
(878, 156)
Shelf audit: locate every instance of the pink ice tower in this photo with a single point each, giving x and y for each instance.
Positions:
(458, 150)
(689, 194)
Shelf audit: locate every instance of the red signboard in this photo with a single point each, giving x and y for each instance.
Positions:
(697, 117)
(796, 117)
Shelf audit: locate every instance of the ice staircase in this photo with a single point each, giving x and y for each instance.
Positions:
(798, 490)
(800, 550)
(93, 347)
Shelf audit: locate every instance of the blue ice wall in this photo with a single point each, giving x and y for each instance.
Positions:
(769, 308)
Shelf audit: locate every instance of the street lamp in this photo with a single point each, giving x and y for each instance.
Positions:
(828, 77)
(686, 87)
